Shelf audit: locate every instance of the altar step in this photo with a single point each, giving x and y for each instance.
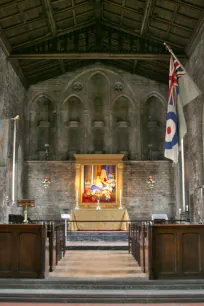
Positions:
(101, 291)
(97, 240)
(97, 265)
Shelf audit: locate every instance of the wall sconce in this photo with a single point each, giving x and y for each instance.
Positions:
(46, 182)
(150, 182)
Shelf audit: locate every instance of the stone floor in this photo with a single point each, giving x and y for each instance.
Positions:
(97, 264)
(60, 304)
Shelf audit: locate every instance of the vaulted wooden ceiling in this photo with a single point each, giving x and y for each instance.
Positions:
(46, 38)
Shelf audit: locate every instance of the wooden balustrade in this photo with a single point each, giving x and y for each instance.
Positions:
(139, 243)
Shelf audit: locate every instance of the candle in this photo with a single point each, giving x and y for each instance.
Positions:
(186, 207)
(120, 195)
(179, 211)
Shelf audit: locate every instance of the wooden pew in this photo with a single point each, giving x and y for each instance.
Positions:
(177, 251)
(24, 251)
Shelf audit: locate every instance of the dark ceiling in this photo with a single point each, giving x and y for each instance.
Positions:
(46, 38)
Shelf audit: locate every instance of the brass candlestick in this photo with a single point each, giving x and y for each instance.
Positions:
(25, 204)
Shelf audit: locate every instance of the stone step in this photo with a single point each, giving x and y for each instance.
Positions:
(113, 284)
(107, 236)
(101, 295)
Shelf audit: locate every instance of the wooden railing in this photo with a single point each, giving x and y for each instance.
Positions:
(138, 243)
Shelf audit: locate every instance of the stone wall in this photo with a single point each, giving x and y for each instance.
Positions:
(12, 98)
(194, 112)
(96, 109)
(140, 201)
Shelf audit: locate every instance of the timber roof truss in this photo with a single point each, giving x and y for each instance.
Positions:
(46, 38)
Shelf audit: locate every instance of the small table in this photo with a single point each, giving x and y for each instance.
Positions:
(99, 220)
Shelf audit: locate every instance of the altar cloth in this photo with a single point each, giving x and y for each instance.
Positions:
(118, 220)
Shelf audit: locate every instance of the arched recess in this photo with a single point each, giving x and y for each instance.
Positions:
(43, 128)
(99, 110)
(72, 114)
(122, 126)
(153, 124)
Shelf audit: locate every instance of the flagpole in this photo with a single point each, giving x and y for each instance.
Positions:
(182, 151)
(183, 176)
(14, 158)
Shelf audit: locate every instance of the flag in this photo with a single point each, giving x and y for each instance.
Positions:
(182, 90)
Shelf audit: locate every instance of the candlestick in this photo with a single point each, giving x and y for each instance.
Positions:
(77, 200)
(120, 207)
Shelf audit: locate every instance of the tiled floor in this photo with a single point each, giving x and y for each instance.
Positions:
(97, 264)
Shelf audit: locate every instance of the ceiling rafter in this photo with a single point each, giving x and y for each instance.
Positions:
(173, 19)
(189, 5)
(4, 6)
(49, 36)
(26, 33)
(147, 12)
(48, 11)
(148, 37)
(135, 11)
(122, 14)
(68, 9)
(53, 28)
(19, 14)
(74, 13)
(23, 25)
(173, 24)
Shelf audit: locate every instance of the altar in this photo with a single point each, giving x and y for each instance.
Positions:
(99, 220)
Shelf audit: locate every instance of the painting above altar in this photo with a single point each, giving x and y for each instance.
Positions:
(99, 183)
(99, 178)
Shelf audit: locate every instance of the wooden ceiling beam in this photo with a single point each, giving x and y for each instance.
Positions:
(173, 24)
(68, 9)
(124, 56)
(49, 36)
(147, 12)
(74, 13)
(129, 31)
(122, 14)
(5, 6)
(23, 24)
(53, 28)
(189, 5)
(18, 14)
(135, 11)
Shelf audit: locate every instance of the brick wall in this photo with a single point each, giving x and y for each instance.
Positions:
(137, 197)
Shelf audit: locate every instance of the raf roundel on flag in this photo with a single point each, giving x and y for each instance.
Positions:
(171, 130)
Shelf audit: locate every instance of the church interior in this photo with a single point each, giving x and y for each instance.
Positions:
(88, 198)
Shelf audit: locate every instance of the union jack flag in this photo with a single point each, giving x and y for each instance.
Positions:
(182, 90)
